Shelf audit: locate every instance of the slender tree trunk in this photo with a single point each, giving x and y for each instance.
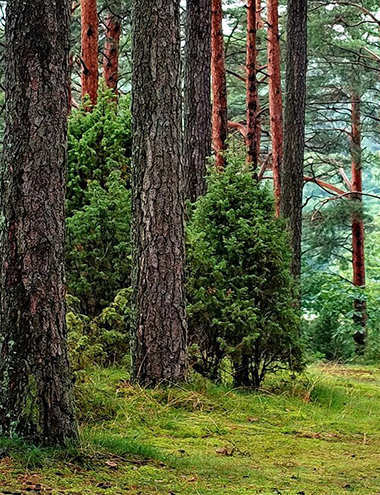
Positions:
(158, 194)
(252, 97)
(90, 47)
(219, 85)
(294, 128)
(35, 384)
(275, 98)
(197, 136)
(358, 256)
(112, 46)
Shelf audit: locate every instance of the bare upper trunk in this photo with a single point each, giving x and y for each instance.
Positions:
(252, 97)
(90, 46)
(112, 46)
(294, 126)
(219, 85)
(275, 98)
(197, 138)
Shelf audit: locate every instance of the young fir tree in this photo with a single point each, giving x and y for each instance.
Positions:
(160, 325)
(35, 383)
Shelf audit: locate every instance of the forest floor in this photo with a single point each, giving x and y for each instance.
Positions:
(318, 434)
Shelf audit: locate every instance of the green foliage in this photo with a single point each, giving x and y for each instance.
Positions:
(99, 143)
(241, 293)
(98, 254)
(102, 340)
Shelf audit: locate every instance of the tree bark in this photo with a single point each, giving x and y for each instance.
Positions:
(90, 48)
(275, 98)
(294, 128)
(158, 195)
(219, 85)
(358, 255)
(197, 137)
(35, 384)
(112, 46)
(252, 97)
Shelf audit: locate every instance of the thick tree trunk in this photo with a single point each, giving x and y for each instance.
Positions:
(90, 47)
(252, 97)
(35, 384)
(158, 194)
(275, 98)
(219, 85)
(197, 136)
(112, 46)
(294, 128)
(358, 255)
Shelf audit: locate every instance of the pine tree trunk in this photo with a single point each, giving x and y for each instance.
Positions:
(275, 98)
(197, 137)
(158, 195)
(90, 47)
(358, 255)
(112, 46)
(35, 383)
(294, 126)
(253, 122)
(219, 85)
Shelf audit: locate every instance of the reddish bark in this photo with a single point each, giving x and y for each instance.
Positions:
(358, 255)
(112, 51)
(219, 85)
(90, 45)
(275, 99)
(252, 97)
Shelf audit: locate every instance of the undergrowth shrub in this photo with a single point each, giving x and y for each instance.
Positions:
(242, 298)
(102, 340)
(98, 253)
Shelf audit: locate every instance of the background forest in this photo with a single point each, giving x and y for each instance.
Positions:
(221, 254)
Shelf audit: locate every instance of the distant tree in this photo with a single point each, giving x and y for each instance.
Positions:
(253, 129)
(197, 87)
(219, 85)
(35, 383)
(160, 325)
(275, 97)
(294, 145)
(112, 24)
(90, 47)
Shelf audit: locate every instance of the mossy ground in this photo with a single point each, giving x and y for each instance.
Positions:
(318, 434)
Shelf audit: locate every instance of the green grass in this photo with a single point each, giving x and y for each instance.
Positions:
(318, 434)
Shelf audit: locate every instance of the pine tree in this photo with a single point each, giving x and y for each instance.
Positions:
(35, 384)
(158, 195)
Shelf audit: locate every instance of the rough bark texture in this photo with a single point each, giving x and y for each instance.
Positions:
(252, 97)
(158, 194)
(112, 46)
(294, 128)
(90, 47)
(358, 256)
(275, 98)
(219, 85)
(35, 384)
(197, 137)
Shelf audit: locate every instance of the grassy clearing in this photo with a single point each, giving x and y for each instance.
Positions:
(315, 435)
